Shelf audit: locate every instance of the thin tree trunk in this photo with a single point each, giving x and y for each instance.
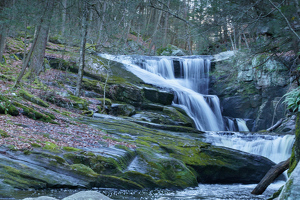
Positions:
(101, 23)
(2, 41)
(64, 16)
(166, 27)
(26, 61)
(84, 31)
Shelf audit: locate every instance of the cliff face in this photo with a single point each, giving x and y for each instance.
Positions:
(251, 88)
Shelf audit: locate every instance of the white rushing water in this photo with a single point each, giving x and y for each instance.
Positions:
(276, 148)
(190, 85)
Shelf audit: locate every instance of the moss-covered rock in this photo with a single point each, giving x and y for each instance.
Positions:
(3, 134)
(33, 114)
(30, 97)
(158, 96)
(122, 109)
(6, 107)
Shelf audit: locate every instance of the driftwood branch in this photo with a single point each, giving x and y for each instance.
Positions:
(271, 175)
(275, 125)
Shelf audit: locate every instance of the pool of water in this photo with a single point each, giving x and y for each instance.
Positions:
(203, 191)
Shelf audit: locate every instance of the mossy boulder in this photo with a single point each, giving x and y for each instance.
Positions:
(122, 109)
(157, 96)
(126, 93)
(3, 134)
(30, 97)
(6, 107)
(33, 114)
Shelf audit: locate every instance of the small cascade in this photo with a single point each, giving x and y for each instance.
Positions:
(188, 77)
(276, 148)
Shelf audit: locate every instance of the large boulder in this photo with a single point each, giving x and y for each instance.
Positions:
(250, 89)
(87, 195)
(291, 189)
(157, 96)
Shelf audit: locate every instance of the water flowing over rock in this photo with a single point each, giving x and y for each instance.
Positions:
(188, 77)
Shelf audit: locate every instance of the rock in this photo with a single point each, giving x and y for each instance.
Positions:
(126, 93)
(87, 195)
(157, 96)
(7, 107)
(41, 198)
(223, 56)
(253, 91)
(291, 189)
(122, 109)
(26, 95)
(171, 50)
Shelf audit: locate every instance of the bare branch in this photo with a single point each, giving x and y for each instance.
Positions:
(287, 21)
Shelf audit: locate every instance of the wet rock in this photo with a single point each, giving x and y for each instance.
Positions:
(291, 189)
(122, 109)
(158, 96)
(41, 198)
(87, 195)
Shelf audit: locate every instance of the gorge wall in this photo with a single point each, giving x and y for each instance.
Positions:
(251, 88)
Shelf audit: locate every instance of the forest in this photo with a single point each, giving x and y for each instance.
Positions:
(74, 102)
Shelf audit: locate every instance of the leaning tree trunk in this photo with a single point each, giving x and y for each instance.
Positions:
(37, 58)
(84, 31)
(271, 175)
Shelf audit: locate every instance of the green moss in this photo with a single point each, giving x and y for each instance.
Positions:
(51, 147)
(19, 179)
(30, 97)
(33, 114)
(35, 145)
(71, 149)
(3, 134)
(83, 170)
(78, 102)
(108, 181)
(6, 107)
(108, 102)
(276, 194)
(88, 113)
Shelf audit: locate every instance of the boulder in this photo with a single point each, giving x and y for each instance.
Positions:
(158, 96)
(122, 109)
(291, 189)
(87, 195)
(41, 198)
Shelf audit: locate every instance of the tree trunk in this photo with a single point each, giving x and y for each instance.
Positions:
(271, 175)
(64, 16)
(166, 27)
(84, 31)
(101, 21)
(37, 59)
(2, 40)
(26, 61)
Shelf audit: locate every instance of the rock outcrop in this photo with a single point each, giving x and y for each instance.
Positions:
(250, 88)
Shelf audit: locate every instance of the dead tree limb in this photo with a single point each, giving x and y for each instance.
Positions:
(271, 175)
(275, 125)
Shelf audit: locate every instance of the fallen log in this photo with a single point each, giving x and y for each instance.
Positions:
(275, 125)
(271, 175)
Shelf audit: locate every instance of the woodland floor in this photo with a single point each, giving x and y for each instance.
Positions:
(23, 132)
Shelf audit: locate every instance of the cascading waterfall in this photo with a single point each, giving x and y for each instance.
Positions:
(189, 83)
(276, 148)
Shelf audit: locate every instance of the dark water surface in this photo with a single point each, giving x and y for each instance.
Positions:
(203, 191)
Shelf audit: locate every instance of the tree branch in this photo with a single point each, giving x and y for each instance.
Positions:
(287, 21)
(168, 11)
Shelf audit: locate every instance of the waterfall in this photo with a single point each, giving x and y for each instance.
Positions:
(189, 82)
(276, 148)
